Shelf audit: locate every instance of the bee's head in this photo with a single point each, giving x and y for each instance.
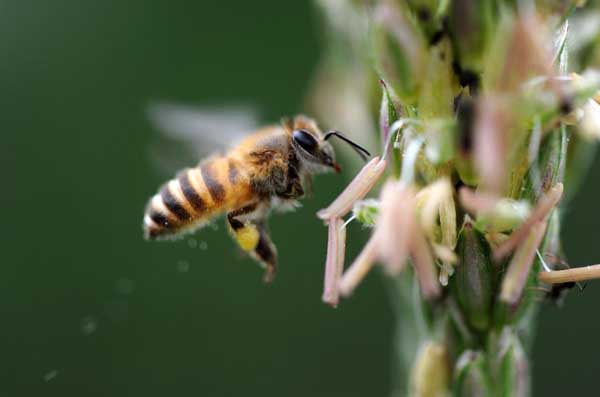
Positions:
(314, 151)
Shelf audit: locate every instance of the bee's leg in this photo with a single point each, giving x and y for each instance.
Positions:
(266, 253)
(251, 234)
(244, 231)
(293, 191)
(294, 188)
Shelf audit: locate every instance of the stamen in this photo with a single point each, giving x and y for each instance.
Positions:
(356, 190)
(475, 203)
(359, 268)
(446, 271)
(424, 266)
(431, 199)
(448, 221)
(436, 202)
(445, 254)
(490, 144)
(589, 125)
(395, 225)
(518, 270)
(574, 274)
(334, 265)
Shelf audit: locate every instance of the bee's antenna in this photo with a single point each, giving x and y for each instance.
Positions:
(362, 152)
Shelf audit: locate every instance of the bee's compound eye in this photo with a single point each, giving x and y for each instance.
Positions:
(306, 140)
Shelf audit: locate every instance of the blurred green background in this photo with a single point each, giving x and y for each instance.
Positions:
(89, 308)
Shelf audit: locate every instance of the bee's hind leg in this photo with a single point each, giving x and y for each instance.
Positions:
(250, 232)
(265, 253)
(243, 227)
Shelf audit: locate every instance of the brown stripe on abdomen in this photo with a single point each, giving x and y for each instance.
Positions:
(233, 172)
(214, 187)
(193, 197)
(190, 193)
(160, 219)
(173, 204)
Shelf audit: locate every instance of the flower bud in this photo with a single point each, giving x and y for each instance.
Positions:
(513, 366)
(472, 282)
(431, 372)
(471, 375)
(427, 13)
(437, 88)
(466, 170)
(471, 23)
(549, 167)
(440, 141)
(366, 212)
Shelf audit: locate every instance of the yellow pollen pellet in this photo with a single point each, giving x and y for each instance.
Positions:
(247, 237)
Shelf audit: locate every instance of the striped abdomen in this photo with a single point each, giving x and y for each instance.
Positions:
(196, 195)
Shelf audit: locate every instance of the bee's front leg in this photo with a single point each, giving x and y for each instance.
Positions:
(294, 188)
(250, 232)
(293, 191)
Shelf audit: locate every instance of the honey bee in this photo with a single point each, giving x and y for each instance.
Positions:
(269, 168)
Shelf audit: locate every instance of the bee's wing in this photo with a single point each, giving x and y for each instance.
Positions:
(190, 133)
